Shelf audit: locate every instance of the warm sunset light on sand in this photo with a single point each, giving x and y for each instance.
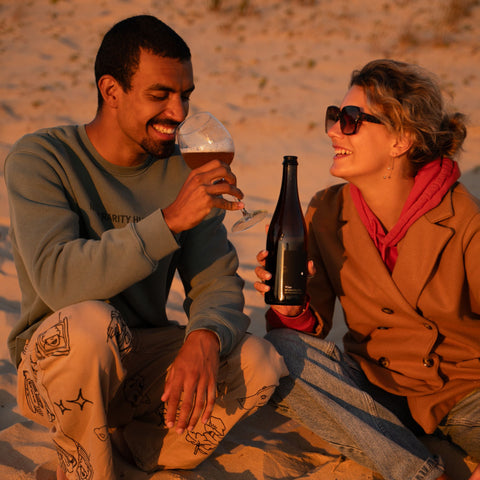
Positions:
(267, 69)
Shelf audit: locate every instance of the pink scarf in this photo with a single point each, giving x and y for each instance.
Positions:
(431, 184)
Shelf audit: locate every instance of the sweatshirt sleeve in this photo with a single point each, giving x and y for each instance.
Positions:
(62, 266)
(214, 292)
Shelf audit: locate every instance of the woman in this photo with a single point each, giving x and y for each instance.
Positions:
(399, 246)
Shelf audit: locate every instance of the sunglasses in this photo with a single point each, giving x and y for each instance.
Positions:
(351, 117)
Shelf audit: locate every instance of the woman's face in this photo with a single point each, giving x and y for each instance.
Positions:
(364, 157)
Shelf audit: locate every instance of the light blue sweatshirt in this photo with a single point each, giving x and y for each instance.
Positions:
(85, 229)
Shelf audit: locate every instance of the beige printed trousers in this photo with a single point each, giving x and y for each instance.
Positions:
(84, 374)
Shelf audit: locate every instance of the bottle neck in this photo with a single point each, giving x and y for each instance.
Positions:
(289, 180)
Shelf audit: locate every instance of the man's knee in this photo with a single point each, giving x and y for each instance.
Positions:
(259, 358)
(92, 314)
(87, 329)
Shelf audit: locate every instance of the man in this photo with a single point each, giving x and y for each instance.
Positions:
(102, 215)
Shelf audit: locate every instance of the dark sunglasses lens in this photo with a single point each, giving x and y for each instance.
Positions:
(331, 117)
(350, 117)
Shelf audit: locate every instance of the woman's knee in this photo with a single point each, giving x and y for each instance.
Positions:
(289, 343)
(303, 353)
(462, 424)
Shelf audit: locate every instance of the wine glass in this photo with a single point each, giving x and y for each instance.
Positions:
(201, 138)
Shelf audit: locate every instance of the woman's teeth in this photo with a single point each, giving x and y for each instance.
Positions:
(342, 151)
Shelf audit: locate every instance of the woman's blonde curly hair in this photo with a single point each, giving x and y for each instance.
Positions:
(408, 100)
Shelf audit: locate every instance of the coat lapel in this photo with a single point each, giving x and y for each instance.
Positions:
(363, 260)
(419, 250)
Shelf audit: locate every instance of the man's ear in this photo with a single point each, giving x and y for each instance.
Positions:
(109, 88)
(402, 145)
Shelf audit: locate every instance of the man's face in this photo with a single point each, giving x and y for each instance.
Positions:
(157, 102)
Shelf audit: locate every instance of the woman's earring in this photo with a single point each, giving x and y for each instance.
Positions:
(389, 170)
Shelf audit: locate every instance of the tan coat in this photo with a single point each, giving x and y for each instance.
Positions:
(415, 333)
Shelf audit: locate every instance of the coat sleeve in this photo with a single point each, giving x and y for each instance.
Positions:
(319, 287)
(472, 262)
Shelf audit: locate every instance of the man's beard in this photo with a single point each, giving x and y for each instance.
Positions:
(158, 149)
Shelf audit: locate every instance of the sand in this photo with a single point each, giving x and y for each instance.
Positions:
(267, 69)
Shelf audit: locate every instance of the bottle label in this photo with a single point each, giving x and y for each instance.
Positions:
(290, 275)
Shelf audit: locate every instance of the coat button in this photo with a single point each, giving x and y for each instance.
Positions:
(384, 362)
(387, 310)
(428, 362)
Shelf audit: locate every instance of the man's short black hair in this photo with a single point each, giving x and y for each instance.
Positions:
(119, 52)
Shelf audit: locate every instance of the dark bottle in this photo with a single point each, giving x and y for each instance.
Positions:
(287, 244)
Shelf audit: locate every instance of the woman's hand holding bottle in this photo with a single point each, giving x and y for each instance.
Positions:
(261, 287)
